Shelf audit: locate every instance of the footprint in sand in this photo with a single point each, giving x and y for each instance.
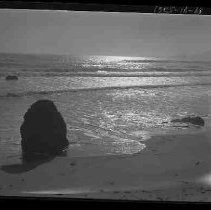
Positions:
(111, 183)
(72, 164)
(127, 192)
(115, 192)
(197, 163)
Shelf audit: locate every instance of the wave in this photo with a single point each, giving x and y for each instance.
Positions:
(48, 92)
(113, 74)
(165, 61)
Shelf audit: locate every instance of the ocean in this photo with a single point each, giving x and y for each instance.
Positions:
(112, 105)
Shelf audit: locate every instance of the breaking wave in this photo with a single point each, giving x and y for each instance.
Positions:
(47, 92)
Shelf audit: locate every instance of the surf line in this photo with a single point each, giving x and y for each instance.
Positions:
(29, 93)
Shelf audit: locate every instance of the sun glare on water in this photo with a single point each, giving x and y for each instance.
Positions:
(116, 58)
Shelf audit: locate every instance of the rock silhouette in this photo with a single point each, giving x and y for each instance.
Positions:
(11, 77)
(192, 120)
(43, 131)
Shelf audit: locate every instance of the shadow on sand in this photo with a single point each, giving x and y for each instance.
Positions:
(26, 166)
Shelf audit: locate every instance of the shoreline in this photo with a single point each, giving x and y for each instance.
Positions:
(171, 168)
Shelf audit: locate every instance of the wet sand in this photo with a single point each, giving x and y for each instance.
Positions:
(170, 168)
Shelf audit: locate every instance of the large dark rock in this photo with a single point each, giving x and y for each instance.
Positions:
(43, 131)
(192, 120)
(11, 77)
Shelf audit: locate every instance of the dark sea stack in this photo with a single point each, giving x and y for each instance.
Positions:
(11, 77)
(43, 131)
(193, 120)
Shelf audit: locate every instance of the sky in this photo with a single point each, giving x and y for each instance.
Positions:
(103, 33)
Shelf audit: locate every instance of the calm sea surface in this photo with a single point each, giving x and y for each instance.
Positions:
(112, 105)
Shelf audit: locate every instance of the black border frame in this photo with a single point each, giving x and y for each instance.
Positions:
(145, 6)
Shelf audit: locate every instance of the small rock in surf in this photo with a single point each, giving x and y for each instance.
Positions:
(43, 131)
(11, 77)
(192, 120)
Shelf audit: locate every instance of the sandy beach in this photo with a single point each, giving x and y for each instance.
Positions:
(171, 168)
